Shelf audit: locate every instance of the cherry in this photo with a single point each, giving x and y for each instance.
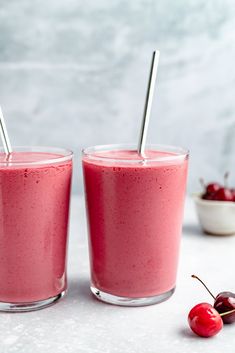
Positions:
(204, 320)
(223, 194)
(224, 303)
(209, 190)
(212, 188)
(233, 193)
(207, 196)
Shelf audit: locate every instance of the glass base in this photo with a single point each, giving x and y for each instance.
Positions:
(31, 306)
(125, 301)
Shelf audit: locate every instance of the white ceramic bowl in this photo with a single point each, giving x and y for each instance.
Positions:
(216, 217)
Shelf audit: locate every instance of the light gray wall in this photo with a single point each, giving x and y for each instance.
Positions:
(73, 73)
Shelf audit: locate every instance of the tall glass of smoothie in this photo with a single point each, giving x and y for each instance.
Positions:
(134, 212)
(34, 212)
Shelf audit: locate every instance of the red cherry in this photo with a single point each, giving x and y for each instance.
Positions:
(212, 188)
(204, 320)
(225, 303)
(233, 193)
(223, 194)
(207, 196)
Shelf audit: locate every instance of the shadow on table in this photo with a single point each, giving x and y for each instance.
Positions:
(79, 288)
(192, 230)
(187, 333)
(79, 291)
(195, 230)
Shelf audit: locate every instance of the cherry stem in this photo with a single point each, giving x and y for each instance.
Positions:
(208, 290)
(226, 175)
(202, 182)
(227, 312)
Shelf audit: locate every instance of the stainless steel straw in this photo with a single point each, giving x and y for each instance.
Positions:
(148, 102)
(4, 135)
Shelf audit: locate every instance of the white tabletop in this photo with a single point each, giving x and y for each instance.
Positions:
(80, 323)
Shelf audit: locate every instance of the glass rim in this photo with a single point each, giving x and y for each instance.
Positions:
(177, 153)
(64, 155)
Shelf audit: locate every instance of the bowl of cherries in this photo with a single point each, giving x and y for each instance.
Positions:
(216, 208)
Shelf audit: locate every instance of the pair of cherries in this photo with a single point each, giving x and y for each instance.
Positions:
(217, 192)
(206, 320)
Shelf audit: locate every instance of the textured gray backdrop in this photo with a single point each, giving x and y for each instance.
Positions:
(73, 73)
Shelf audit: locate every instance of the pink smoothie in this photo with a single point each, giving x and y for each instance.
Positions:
(34, 207)
(135, 218)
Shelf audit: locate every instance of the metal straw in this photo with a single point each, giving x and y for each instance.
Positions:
(148, 102)
(4, 135)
